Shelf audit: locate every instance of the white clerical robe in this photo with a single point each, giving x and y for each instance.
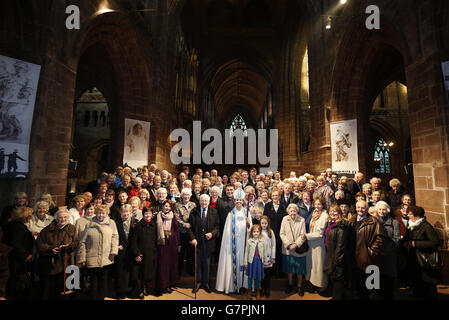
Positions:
(226, 268)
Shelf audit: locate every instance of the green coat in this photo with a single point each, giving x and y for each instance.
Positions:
(251, 249)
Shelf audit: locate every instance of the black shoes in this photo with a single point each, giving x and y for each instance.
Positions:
(267, 292)
(194, 290)
(300, 292)
(206, 288)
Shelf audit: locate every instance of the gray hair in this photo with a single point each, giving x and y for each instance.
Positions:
(205, 197)
(366, 186)
(41, 203)
(215, 188)
(160, 190)
(61, 210)
(188, 181)
(138, 179)
(382, 204)
(186, 191)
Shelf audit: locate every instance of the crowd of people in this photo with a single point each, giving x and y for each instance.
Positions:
(133, 234)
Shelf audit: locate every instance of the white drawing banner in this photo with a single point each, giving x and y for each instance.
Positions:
(137, 134)
(344, 146)
(18, 87)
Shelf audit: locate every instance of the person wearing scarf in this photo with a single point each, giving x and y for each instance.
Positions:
(422, 239)
(167, 250)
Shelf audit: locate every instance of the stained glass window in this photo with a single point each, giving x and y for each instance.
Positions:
(382, 157)
(238, 123)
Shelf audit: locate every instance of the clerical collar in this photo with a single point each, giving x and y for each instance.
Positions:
(359, 218)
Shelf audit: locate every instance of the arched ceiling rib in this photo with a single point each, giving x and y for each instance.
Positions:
(237, 84)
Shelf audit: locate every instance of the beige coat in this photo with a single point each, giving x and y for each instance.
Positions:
(316, 256)
(251, 250)
(298, 227)
(98, 241)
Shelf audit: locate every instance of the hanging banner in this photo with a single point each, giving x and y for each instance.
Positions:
(344, 147)
(18, 87)
(137, 135)
(445, 68)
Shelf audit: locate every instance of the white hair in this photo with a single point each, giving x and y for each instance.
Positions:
(205, 197)
(186, 191)
(189, 182)
(215, 188)
(161, 189)
(138, 179)
(61, 210)
(382, 204)
(302, 178)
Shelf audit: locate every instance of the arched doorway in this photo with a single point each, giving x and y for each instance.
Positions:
(389, 143)
(91, 137)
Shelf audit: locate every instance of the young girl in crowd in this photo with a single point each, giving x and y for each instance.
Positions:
(270, 248)
(255, 259)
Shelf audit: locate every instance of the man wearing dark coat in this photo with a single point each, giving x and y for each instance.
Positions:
(355, 185)
(124, 260)
(369, 248)
(203, 233)
(288, 196)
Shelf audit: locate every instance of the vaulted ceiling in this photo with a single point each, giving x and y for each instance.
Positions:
(237, 87)
(239, 44)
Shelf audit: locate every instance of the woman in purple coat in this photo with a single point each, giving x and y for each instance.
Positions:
(166, 269)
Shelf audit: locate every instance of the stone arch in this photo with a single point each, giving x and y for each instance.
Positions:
(358, 51)
(367, 61)
(121, 44)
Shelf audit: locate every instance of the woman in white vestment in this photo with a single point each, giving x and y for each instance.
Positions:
(230, 271)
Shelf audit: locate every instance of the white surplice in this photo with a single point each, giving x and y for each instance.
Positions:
(227, 271)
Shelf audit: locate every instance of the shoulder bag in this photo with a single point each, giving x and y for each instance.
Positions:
(303, 248)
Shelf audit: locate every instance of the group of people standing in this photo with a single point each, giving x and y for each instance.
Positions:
(133, 235)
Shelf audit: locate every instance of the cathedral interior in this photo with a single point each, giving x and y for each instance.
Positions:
(292, 65)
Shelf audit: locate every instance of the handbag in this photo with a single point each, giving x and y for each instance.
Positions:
(429, 260)
(303, 248)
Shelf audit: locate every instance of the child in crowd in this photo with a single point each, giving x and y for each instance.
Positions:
(255, 259)
(270, 248)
